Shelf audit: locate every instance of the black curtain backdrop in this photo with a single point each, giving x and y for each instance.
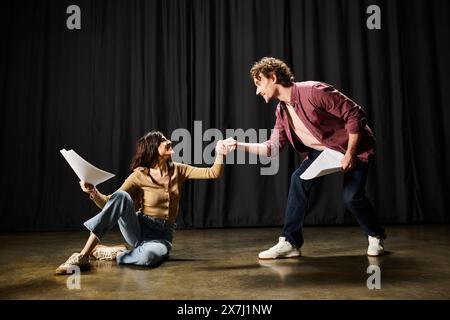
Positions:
(141, 65)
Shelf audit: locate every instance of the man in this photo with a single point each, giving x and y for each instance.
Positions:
(313, 116)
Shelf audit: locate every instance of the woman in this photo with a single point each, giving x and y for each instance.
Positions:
(153, 188)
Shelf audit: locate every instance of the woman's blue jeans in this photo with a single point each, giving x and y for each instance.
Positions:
(354, 197)
(150, 237)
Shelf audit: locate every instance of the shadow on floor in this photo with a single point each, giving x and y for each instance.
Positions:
(325, 270)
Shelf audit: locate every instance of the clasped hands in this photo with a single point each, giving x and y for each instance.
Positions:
(226, 146)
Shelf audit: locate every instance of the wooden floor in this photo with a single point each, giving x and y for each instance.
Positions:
(223, 264)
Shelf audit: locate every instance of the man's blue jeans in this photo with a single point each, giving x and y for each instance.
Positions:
(354, 196)
(150, 237)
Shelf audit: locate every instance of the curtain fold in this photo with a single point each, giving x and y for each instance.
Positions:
(141, 65)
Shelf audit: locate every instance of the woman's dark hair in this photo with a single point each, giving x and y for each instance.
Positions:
(268, 65)
(146, 154)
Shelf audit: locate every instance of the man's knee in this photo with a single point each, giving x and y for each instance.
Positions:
(351, 199)
(347, 197)
(295, 178)
(298, 184)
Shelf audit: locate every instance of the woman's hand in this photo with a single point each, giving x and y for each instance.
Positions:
(88, 188)
(230, 145)
(220, 148)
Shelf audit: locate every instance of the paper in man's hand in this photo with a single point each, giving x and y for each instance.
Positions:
(84, 170)
(329, 161)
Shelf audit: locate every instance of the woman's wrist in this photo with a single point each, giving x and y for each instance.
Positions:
(93, 194)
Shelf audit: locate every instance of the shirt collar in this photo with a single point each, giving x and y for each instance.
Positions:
(295, 99)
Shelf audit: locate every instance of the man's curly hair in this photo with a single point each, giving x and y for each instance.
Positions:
(268, 65)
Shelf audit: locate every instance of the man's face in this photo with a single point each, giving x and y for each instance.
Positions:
(265, 87)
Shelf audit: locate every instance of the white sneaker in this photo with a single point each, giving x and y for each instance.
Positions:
(283, 249)
(102, 252)
(376, 247)
(76, 259)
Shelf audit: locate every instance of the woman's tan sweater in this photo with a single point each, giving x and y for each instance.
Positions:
(159, 197)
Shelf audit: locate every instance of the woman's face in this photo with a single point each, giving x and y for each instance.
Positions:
(165, 148)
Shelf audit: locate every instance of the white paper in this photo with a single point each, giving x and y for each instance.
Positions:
(84, 170)
(329, 161)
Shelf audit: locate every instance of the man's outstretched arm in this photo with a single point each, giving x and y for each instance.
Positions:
(255, 148)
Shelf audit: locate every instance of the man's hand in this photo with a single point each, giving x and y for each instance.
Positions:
(348, 162)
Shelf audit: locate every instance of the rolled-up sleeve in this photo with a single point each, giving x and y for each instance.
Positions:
(278, 137)
(327, 97)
